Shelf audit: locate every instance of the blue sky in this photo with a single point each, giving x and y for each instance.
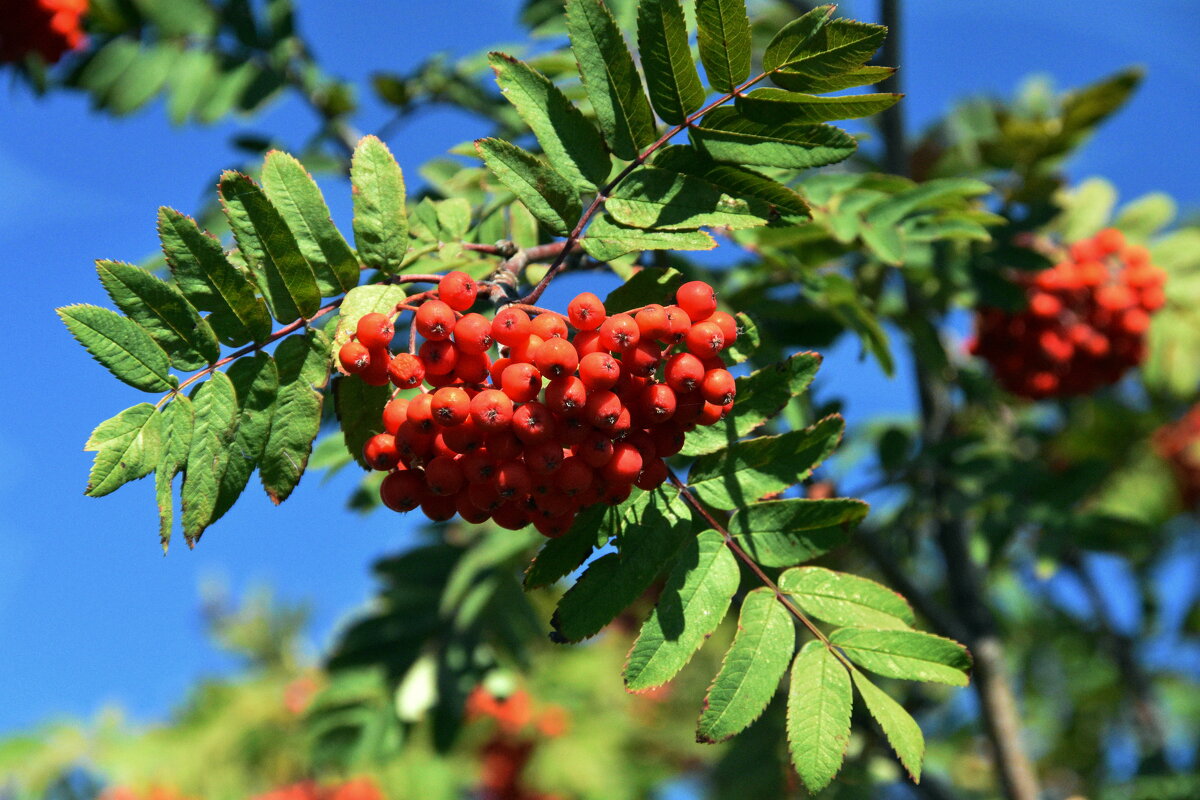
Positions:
(90, 611)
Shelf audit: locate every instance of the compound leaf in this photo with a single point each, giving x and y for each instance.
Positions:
(256, 382)
(818, 715)
(901, 730)
(908, 655)
(725, 135)
(791, 41)
(178, 423)
(724, 42)
(671, 77)
(303, 363)
(548, 195)
(607, 239)
(843, 599)
(127, 447)
(780, 533)
(657, 198)
(215, 405)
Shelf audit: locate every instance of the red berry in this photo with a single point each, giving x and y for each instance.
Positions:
(526, 349)
(728, 325)
(653, 475)
(556, 358)
(376, 373)
(586, 312)
(402, 491)
(652, 322)
(574, 476)
(469, 511)
(698, 299)
(624, 466)
(450, 406)
(395, 413)
(439, 357)
(374, 331)
(595, 450)
(466, 437)
(599, 370)
(492, 410)
(548, 326)
(602, 409)
(511, 517)
(354, 357)
(588, 342)
(684, 372)
(420, 412)
(510, 326)
(437, 508)
(380, 451)
(680, 323)
(472, 367)
(478, 466)
(1109, 241)
(718, 387)
(544, 458)
(485, 496)
(619, 333)
(566, 396)
(473, 333)
(503, 445)
(657, 402)
(444, 476)
(457, 290)
(705, 339)
(533, 423)
(513, 479)
(521, 382)
(642, 360)
(406, 371)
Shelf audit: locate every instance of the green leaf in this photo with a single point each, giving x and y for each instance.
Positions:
(818, 715)
(189, 81)
(820, 84)
(724, 41)
(292, 190)
(781, 533)
(121, 346)
(742, 473)
(606, 239)
(380, 216)
(216, 413)
(693, 602)
(611, 80)
(837, 47)
(256, 382)
(750, 672)
(359, 408)
(284, 274)
(790, 43)
(360, 301)
(210, 282)
(665, 200)
(737, 181)
(178, 423)
(303, 363)
(570, 141)
(776, 106)
(748, 341)
(141, 80)
(725, 135)
(901, 730)
(760, 396)
(671, 77)
(649, 285)
(560, 557)
(843, 599)
(613, 581)
(163, 311)
(904, 654)
(1088, 107)
(127, 447)
(925, 195)
(548, 195)
(1145, 216)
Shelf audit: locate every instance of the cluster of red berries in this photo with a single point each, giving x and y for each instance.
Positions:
(1085, 323)
(47, 27)
(1179, 444)
(503, 758)
(354, 789)
(577, 409)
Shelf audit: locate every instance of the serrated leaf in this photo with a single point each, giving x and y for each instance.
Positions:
(292, 190)
(760, 396)
(380, 216)
(606, 239)
(782, 533)
(570, 141)
(548, 195)
(613, 581)
(120, 345)
(303, 363)
(163, 311)
(743, 472)
(750, 672)
(725, 135)
(657, 198)
(790, 43)
(901, 730)
(612, 82)
(178, 423)
(359, 408)
(837, 47)
(362, 300)
(737, 181)
(559, 557)
(748, 341)
(210, 282)
(671, 77)
(777, 106)
(818, 715)
(648, 285)
(820, 84)
(256, 381)
(904, 654)
(216, 413)
(284, 274)
(843, 599)
(127, 447)
(692, 604)
(723, 38)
